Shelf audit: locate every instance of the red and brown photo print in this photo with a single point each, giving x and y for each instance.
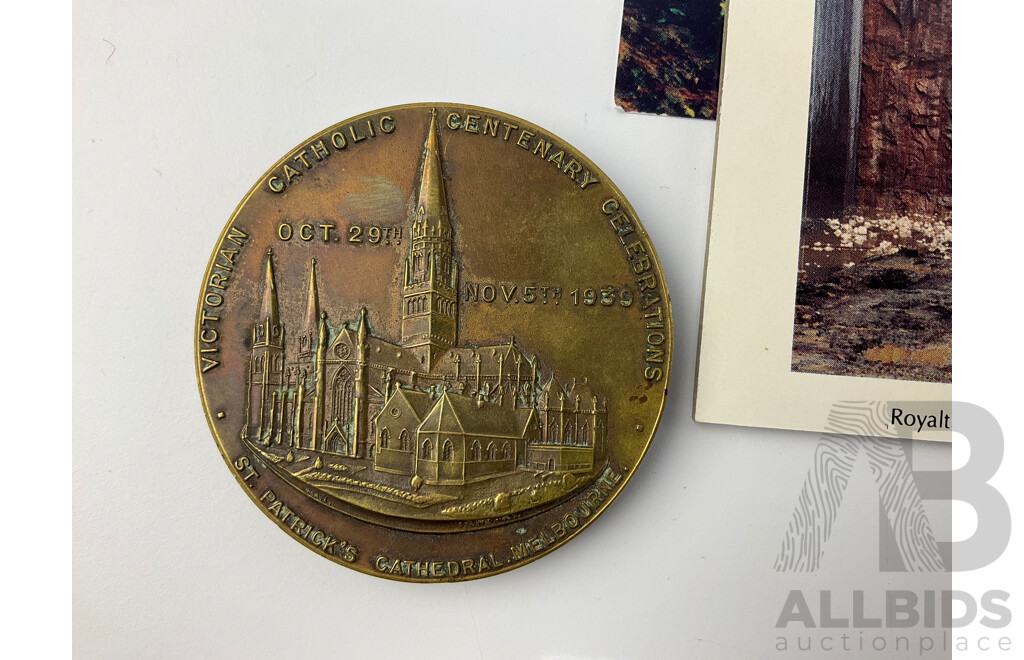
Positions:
(874, 294)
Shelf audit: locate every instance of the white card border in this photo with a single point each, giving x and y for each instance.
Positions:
(745, 346)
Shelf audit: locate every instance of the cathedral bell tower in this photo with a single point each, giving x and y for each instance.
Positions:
(266, 365)
(430, 291)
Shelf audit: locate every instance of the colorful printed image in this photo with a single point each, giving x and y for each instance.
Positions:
(669, 56)
(874, 293)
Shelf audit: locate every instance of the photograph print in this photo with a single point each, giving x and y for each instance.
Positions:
(874, 286)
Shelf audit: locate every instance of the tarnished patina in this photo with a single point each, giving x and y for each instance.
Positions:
(433, 342)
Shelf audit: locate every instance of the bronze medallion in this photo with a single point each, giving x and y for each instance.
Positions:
(433, 342)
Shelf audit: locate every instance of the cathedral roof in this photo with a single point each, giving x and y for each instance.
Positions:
(553, 393)
(507, 355)
(383, 352)
(462, 414)
(418, 402)
(581, 388)
(380, 352)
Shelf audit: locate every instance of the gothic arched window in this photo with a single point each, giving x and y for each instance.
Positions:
(475, 451)
(383, 438)
(448, 452)
(428, 449)
(342, 393)
(403, 440)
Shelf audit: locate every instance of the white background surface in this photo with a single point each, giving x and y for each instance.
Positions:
(172, 560)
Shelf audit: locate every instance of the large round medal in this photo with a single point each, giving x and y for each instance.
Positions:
(433, 342)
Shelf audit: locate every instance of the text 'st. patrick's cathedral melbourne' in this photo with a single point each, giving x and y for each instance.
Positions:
(424, 407)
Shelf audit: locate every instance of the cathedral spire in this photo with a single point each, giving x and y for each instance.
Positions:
(431, 204)
(313, 301)
(429, 298)
(269, 309)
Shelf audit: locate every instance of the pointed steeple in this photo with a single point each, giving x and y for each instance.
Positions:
(269, 309)
(313, 301)
(431, 204)
(363, 326)
(323, 332)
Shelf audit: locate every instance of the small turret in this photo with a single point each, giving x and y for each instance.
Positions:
(360, 409)
(313, 298)
(363, 329)
(311, 328)
(320, 383)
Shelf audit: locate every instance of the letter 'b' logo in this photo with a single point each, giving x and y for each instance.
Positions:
(906, 540)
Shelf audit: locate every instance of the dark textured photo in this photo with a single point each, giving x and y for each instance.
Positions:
(669, 57)
(874, 291)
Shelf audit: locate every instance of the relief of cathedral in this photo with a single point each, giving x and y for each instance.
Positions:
(422, 407)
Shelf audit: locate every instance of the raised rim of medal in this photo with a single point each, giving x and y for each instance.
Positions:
(528, 513)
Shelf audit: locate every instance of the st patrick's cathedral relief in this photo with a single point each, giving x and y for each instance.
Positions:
(420, 427)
